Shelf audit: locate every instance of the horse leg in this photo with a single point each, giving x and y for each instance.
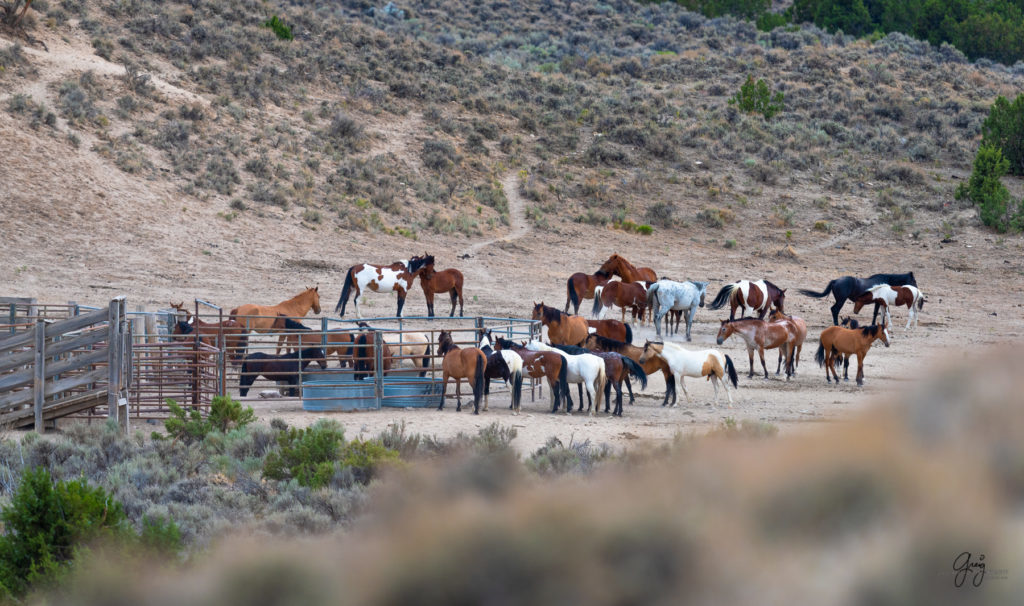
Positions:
(732, 310)
(874, 316)
(658, 319)
(860, 368)
(682, 384)
(487, 391)
(401, 302)
(689, 321)
(590, 401)
(846, 368)
(444, 389)
(456, 297)
(629, 387)
(760, 352)
(836, 308)
(750, 354)
(458, 394)
(782, 353)
(714, 381)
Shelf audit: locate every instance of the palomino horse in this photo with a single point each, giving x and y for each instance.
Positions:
(458, 363)
(759, 296)
(583, 368)
(667, 295)
(708, 363)
(617, 368)
(444, 281)
(261, 317)
(596, 343)
(836, 340)
(581, 286)
(228, 334)
(537, 364)
(632, 295)
(283, 369)
(506, 365)
(799, 327)
(611, 329)
(563, 329)
(761, 335)
(397, 277)
(849, 287)
(887, 297)
(626, 271)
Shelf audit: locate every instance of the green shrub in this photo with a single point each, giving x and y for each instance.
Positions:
(1004, 129)
(757, 98)
(161, 535)
(188, 427)
(282, 31)
(366, 458)
(306, 455)
(984, 188)
(226, 414)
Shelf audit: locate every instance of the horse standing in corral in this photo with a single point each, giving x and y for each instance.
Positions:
(408, 349)
(506, 365)
(537, 364)
(708, 363)
(759, 296)
(563, 329)
(261, 317)
(836, 340)
(461, 363)
(617, 368)
(611, 329)
(849, 287)
(293, 339)
(365, 360)
(339, 344)
(596, 343)
(888, 296)
(286, 368)
(228, 335)
(397, 277)
(799, 328)
(581, 286)
(583, 368)
(626, 271)
(761, 335)
(444, 281)
(667, 295)
(632, 295)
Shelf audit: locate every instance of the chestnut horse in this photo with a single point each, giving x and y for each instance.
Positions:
(888, 296)
(581, 286)
(837, 340)
(844, 359)
(461, 363)
(759, 296)
(626, 271)
(296, 307)
(444, 281)
(537, 364)
(612, 329)
(397, 277)
(799, 327)
(622, 294)
(761, 335)
(596, 343)
(228, 335)
(563, 329)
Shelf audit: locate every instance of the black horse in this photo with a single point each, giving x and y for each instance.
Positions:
(849, 287)
(283, 369)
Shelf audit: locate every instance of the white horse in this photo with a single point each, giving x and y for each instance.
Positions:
(889, 296)
(682, 362)
(515, 368)
(667, 295)
(587, 369)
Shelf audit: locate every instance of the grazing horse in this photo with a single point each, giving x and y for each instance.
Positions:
(759, 296)
(296, 307)
(667, 295)
(537, 364)
(596, 343)
(581, 286)
(582, 368)
(444, 281)
(563, 329)
(708, 363)
(887, 296)
(761, 335)
(836, 340)
(626, 271)
(617, 368)
(461, 363)
(622, 294)
(612, 329)
(799, 328)
(849, 287)
(228, 335)
(397, 277)
(284, 369)
(506, 365)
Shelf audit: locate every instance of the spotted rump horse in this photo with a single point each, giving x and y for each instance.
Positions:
(397, 277)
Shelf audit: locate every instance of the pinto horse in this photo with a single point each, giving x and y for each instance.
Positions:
(228, 334)
(596, 343)
(849, 287)
(581, 286)
(626, 271)
(759, 296)
(887, 297)
(444, 281)
(708, 363)
(284, 369)
(799, 328)
(836, 340)
(506, 365)
(622, 294)
(563, 329)
(397, 277)
(761, 335)
(612, 329)
(537, 364)
(461, 363)
(617, 368)
(296, 307)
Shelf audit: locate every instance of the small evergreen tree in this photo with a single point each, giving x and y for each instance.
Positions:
(756, 97)
(984, 188)
(1004, 129)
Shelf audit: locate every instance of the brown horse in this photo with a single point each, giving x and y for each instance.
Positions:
(537, 364)
(759, 296)
(761, 335)
(581, 286)
(261, 317)
(339, 344)
(563, 329)
(836, 340)
(397, 277)
(364, 358)
(622, 294)
(461, 363)
(444, 281)
(228, 335)
(799, 327)
(596, 343)
(844, 359)
(612, 329)
(626, 271)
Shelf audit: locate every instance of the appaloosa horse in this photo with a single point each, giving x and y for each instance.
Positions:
(397, 277)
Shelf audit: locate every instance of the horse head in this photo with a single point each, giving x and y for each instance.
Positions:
(725, 331)
(315, 294)
(781, 299)
(538, 310)
(444, 342)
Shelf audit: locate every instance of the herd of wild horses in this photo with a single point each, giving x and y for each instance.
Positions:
(597, 354)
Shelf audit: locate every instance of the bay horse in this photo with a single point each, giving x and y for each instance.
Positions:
(668, 295)
(844, 359)
(461, 363)
(799, 327)
(626, 271)
(581, 286)
(850, 287)
(759, 296)
(296, 307)
(761, 335)
(612, 329)
(617, 368)
(836, 340)
(364, 360)
(228, 334)
(562, 328)
(622, 294)
(708, 363)
(596, 343)
(888, 296)
(397, 277)
(285, 368)
(444, 281)
(506, 365)
(537, 364)
(582, 368)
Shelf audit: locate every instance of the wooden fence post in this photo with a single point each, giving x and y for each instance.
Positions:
(114, 356)
(39, 378)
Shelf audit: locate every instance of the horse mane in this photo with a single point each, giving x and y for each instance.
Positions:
(551, 314)
(737, 320)
(184, 327)
(606, 343)
(293, 325)
(870, 331)
(603, 274)
(505, 343)
(573, 350)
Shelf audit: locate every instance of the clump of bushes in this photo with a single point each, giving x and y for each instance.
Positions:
(756, 98)
(282, 31)
(1004, 129)
(995, 206)
(716, 217)
(190, 427)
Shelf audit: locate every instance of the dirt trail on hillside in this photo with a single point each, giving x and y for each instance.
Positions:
(516, 213)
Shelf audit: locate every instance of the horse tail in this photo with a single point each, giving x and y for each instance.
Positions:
(602, 380)
(629, 334)
(597, 301)
(478, 378)
(563, 380)
(722, 297)
(819, 356)
(652, 290)
(517, 388)
(636, 371)
(345, 290)
(817, 295)
(730, 369)
(426, 361)
(920, 300)
(574, 297)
